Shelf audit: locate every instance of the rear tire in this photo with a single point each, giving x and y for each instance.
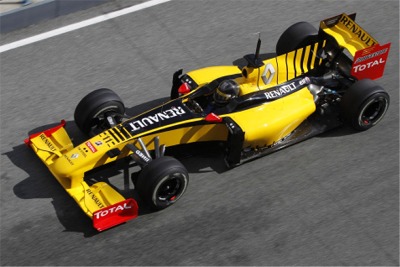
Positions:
(364, 105)
(162, 182)
(298, 35)
(92, 108)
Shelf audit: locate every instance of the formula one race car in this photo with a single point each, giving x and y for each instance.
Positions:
(316, 80)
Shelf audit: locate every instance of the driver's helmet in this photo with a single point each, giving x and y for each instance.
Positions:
(226, 91)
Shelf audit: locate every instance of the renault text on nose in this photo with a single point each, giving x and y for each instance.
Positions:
(157, 117)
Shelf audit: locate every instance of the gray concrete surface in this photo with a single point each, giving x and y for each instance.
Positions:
(331, 200)
(15, 15)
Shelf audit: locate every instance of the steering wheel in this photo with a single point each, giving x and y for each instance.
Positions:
(196, 106)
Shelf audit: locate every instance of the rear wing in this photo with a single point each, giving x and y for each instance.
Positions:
(369, 57)
(347, 33)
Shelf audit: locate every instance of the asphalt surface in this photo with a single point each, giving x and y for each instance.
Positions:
(331, 200)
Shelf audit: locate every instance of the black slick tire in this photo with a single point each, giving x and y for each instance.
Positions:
(162, 182)
(364, 104)
(94, 105)
(296, 36)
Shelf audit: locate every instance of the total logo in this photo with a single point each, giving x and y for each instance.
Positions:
(368, 65)
(115, 214)
(111, 210)
(370, 62)
(114, 209)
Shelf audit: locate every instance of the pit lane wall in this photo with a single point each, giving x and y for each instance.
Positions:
(25, 15)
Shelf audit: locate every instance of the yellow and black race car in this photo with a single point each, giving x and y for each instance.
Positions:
(316, 80)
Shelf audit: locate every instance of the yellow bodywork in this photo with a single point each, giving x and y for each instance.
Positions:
(270, 122)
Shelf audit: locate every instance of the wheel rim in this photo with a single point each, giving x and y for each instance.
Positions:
(100, 113)
(170, 189)
(99, 118)
(373, 111)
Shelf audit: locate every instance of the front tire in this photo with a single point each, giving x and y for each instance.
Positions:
(162, 182)
(364, 104)
(92, 109)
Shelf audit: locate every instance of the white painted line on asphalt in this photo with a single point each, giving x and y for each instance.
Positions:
(79, 25)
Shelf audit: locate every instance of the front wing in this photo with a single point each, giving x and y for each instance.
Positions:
(100, 201)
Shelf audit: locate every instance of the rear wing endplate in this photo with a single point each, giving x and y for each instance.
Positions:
(370, 62)
(369, 57)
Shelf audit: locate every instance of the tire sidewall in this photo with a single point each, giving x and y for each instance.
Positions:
(184, 181)
(298, 35)
(95, 103)
(358, 98)
(154, 175)
(358, 123)
(110, 106)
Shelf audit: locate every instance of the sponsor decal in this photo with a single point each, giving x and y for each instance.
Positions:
(281, 91)
(141, 155)
(74, 156)
(146, 121)
(332, 21)
(115, 214)
(368, 65)
(83, 151)
(370, 62)
(68, 159)
(110, 121)
(304, 81)
(111, 210)
(358, 31)
(47, 142)
(91, 146)
(98, 143)
(95, 199)
(369, 56)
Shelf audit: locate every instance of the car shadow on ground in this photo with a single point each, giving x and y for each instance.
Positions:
(40, 183)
